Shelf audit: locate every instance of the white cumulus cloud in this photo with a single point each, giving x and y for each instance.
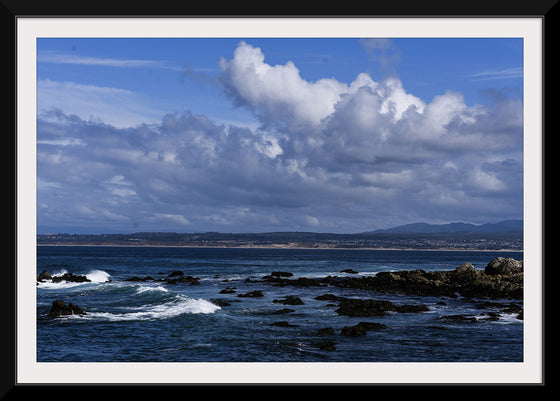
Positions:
(327, 155)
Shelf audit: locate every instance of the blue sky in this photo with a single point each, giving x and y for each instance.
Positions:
(277, 134)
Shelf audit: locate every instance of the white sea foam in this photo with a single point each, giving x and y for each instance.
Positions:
(49, 285)
(182, 305)
(509, 318)
(98, 276)
(144, 288)
(95, 276)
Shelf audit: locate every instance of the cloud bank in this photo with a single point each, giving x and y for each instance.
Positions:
(328, 156)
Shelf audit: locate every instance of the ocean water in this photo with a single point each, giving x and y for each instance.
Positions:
(152, 321)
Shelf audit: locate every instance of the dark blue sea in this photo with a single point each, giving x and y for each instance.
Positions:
(152, 321)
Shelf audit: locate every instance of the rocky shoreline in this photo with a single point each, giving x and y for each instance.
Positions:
(501, 279)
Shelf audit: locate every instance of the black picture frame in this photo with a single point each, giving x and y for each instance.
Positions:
(11, 10)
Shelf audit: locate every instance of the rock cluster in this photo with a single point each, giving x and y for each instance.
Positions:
(370, 307)
(501, 279)
(174, 277)
(69, 277)
(59, 308)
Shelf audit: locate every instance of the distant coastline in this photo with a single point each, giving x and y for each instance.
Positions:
(471, 240)
(276, 246)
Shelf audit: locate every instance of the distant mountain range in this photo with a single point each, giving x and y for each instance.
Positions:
(425, 228)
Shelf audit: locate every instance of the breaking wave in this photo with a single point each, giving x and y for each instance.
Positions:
(95, 277)
(179, 306)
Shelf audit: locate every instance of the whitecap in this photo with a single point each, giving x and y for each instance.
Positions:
(507, 318)
(181, 305)
(95, 276)
(60, 273)
(144, 288)
(98, 276)
(49, 285)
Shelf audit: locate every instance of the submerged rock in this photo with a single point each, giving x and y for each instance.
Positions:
(283, 311)
(289, 300)
(371, 307)
(458, 318)
(283, 323)
(219, 302)
(329, 297)
(135, 278)
(326, 345)
(361, 328)
(363, 307)
(182, 279)
(252, 294)
(325, 331)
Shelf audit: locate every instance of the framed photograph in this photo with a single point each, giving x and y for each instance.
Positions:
(279, 199)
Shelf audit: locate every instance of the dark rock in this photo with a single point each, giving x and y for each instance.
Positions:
(464, 274)
(363, 307)
(326, 345)
(281, 274)
(504, 266)
(227, 291)
(183, 279)
(188, 279)
(512, 308)
(283, 323)
(59, 308)
(289, 300)
(44, 275)
(353, 331)
(370, 307)
(505, 281)
(252, 294)
(466, 268)
(283, 311)
(175, 273)
(329, 297)
(326, 331)
(502, 307)
(361, 328)
(411, 308)
(368, 326)
(458, 318)
(351, 271)
(492, 316)
(135, 278)
(70, 277)
(220, 302)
